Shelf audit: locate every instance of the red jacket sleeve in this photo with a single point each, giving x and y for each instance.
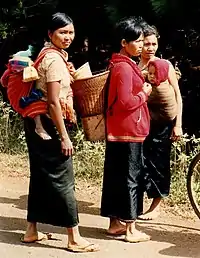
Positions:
(123, 78)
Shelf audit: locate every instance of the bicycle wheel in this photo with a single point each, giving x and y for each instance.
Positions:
(193, 184)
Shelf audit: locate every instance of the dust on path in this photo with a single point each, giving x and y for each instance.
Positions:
(172, 235)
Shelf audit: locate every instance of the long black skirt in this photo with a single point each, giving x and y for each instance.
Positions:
(51, 197)
(157, 148)
(121, 182)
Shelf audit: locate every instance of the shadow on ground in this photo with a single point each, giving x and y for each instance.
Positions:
(185, 241)
(21, 203)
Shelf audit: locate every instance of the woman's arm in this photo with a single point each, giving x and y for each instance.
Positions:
(70, 112)
(177, 132)
(53, 90)
(124, 83)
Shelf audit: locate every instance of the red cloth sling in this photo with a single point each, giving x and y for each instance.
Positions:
(16, 88)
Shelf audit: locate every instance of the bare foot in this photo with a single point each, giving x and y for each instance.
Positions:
(117, 228)
(149, 215)
(136, 236)
(42, 133)
(153, 212)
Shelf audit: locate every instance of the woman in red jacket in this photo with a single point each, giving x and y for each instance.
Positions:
(127, 122)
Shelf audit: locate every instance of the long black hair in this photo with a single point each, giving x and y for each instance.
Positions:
(129, 29)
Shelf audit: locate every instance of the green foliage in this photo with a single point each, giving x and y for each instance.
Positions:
(18, 15)
(168, 11)
(11, 12)
(181, 156)
(88, 158)
(161, 7)
(112, 9)
(12, 140)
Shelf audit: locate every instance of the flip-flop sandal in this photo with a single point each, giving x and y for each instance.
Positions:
(136, 239)
(117, 233)
(83, 248)
(41, 236)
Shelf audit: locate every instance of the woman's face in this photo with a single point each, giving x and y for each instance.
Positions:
(133, 48)
(150, 47)
(62, 37)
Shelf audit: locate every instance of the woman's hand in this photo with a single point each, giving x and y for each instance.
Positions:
(145, 74)
(147, 88)
(66, 146)
(176, 133)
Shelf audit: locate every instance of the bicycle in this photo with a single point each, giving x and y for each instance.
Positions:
(193, 184)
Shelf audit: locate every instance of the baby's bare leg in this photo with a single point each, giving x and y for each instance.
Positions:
(39, 129)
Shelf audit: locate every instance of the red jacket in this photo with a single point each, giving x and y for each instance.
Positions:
(127, 117)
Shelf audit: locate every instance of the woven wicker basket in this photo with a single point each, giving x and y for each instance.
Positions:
(94, 127)
(89, 94)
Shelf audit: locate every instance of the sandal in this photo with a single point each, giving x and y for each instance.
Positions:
(83, 248)
(136, 239)
(117, 233)
(40, 236)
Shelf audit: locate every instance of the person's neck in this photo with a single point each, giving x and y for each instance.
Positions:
(123, 52)
(144, 62)
(51, 45)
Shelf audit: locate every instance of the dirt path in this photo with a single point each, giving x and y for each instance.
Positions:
(172, 236)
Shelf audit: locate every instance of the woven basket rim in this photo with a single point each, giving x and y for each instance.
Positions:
(93, 77)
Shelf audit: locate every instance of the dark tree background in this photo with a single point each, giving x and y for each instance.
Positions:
(23, 22)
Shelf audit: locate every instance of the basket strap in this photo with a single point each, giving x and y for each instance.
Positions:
(106, 97)
(44, 52)
(107, 89)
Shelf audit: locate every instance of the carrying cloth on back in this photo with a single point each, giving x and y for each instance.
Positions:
(16, 88)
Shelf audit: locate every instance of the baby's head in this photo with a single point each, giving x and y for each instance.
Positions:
(158, 71)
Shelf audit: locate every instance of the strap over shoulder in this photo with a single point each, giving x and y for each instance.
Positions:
(46, 51)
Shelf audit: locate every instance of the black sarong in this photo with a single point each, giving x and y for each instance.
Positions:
(157, 148)
(51, 197)
(121, 182)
